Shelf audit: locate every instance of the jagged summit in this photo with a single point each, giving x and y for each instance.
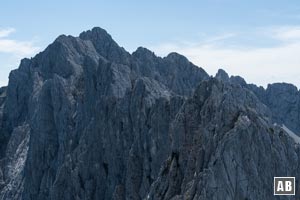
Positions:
(222, 75)
(96, 34)
(105, 45)
(84, 119)
(144, 53)
(286, 86)
(176, 57)
(62, 38)
(238, 80)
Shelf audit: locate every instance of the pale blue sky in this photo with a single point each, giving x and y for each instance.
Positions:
(259, 40)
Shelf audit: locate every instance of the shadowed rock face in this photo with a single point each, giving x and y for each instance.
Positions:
(90, 120)
(3, 137)
(224, 147)
(85, 119)
(282, 99)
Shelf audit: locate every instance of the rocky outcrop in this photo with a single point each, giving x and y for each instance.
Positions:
(2, 136)
(88, 117)
(2, 95)
(224, 147)
(282, 99)
(85, 119)
(2, 104)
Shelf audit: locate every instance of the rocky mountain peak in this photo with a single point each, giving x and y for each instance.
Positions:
(85, 119)
(283, 87)
(222, 75)
(177, 58)
(96, 34)
(238, 80)
(62, 38)
(144, 53)
(105, 45)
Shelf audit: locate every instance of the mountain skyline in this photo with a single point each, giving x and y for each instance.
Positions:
(259, 40)
(84, 119)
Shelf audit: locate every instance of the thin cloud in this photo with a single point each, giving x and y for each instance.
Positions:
(18, 48)
(287, 33)
(12, 51)
(220, 37)
(260, 65)
(6, 32)
(15, 47)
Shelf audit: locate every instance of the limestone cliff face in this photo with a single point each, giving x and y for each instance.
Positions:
(90, 120)
(85, 119)
(282, 99)
(224, 146)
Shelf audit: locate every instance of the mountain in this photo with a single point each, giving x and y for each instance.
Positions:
(282, 99)
(85, 119)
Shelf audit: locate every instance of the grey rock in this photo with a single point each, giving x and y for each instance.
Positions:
(282, 99)
(222, 75)
(224, 146)
(84, 119)
(97, 121)
(174, 71)
(2, 96)
(105, 45)
(14, 162)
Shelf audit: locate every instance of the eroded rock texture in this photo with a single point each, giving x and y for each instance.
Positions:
(85, 119)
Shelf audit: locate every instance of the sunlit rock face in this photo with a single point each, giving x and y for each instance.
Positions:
(85, 119)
